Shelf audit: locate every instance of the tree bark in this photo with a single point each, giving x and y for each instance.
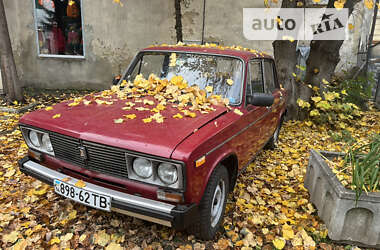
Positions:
(285, 55)
(324, 56)
(8, 66)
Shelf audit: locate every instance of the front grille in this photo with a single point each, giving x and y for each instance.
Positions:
(100, 158)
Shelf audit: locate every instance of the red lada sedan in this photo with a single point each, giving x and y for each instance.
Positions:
(166, 149)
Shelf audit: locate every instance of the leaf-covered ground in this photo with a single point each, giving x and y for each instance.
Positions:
(268, 208)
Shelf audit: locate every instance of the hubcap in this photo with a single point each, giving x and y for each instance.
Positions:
(217, 203)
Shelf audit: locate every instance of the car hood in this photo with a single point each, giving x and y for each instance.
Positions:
(95, 123)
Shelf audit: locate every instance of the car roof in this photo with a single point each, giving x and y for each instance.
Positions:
(236, 51)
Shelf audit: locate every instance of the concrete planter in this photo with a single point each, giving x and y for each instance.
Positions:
(346, 222)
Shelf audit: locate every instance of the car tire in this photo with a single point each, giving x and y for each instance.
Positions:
(212, 205)
(272, 143)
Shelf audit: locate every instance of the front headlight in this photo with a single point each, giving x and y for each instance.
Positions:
(33, 137)
(37, 140)
(167, 173)
(143, 167)
(157, 171)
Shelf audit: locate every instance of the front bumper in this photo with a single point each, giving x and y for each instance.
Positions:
(178, 217)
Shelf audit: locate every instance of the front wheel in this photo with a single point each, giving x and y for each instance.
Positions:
(212, 206)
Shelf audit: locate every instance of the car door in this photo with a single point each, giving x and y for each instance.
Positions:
(252, 139)
(271, 86)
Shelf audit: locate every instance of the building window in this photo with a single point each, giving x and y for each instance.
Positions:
(59, 28)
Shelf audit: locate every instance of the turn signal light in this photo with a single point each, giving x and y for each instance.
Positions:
(35, 155)
(166, 196)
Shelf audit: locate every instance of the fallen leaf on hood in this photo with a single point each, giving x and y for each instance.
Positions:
(147, 120)
(130, 116)
(49, 108)
(120, 120)
(86, 102)
(238, 112)
(56, 116)
(178, 116)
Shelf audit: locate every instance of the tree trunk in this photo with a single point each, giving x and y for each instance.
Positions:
(285, 55)
(8, 66)
(324, 56)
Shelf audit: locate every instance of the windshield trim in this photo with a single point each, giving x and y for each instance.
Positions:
(138, 55)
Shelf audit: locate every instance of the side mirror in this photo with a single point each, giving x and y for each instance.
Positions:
(260, 99)
(116, 79)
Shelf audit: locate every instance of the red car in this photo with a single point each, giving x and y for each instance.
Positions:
(156, 149)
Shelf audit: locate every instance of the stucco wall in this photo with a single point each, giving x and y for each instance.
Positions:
(112, 36)
(223, 22)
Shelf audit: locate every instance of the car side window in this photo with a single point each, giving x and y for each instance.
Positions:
(255, 85)
(269, 77)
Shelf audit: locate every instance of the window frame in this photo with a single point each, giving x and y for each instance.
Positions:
(56, 55)
(260, 60)
(274, 71)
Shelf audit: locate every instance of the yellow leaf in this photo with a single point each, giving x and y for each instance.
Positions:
(325, 81)
(294, 74)
(351, 26)
(314, 112)
(178, 115)
(108, 102)
(189, 114)
(82, 238)
(114, 246)
(316, 99)
(102, 238)
(147, 120)
(131, 116)
(10, 172)
(80, 184)
(99, 102)
(299, 4)
(56, 116)
(48, 108)
(287, 232)
(238, 112)
(73, 104)
(369, 4)
(279, 243)
(148, 102)
(230, 82)
(86, 102)
(316, 1)
(54, 241)
(72, 215)
(11, 237)
(120, 120)
(309, 123)
(339, 4)
(141, 109)
(209, 89)
(344, 92)
(15, 102)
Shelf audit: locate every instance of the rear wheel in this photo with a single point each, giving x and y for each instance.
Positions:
(212, 206)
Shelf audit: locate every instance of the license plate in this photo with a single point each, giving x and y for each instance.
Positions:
(83, 196)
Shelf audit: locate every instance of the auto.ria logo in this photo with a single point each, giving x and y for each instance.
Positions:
(295, 23)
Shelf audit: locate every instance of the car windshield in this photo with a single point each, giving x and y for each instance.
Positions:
(224, 74)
